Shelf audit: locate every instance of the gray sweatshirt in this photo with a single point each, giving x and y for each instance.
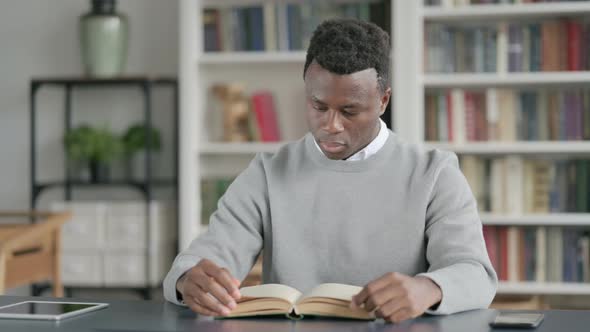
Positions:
(405, 209)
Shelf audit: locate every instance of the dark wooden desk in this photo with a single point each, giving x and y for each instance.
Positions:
(135, 316)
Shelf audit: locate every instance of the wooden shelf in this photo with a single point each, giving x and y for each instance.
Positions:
(252, 57)
(524, 148)
(544, 288)
(503, 11)
(239, 148)
(471, 80)
(552, 219)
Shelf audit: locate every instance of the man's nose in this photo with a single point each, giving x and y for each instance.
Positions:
(333, 124)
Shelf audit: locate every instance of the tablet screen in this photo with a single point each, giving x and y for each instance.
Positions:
(45, 308)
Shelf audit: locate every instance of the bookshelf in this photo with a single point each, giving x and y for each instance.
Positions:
(426, 82)
(504, 11)
(239, 148)
(547, 148)
(203, 154)
(543, 288)
(514, 80)
(550, 219)
(242, 58)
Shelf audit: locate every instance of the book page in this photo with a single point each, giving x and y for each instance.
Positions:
(283, 292)
(334, 291)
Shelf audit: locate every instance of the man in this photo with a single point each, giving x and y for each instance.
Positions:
(348, 203)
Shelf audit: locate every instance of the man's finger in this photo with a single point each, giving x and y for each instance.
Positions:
(389, 308)
(210, 303)
(400, 315)
(194, 306)
(382, 296)
(373, 287)
(210, 285)
(225, 279)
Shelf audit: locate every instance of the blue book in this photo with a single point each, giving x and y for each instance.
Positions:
(238, 29)
(536, 50)
(294, 27)
(515, 45)
(255, 22)
(491, 55)
(478, 50)
(532, 132)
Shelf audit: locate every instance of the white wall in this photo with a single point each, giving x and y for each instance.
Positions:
(39, 38)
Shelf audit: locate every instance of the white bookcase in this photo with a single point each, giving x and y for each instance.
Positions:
(496, 13)
(201, 154)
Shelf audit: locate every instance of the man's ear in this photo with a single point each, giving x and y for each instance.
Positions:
(385, 100)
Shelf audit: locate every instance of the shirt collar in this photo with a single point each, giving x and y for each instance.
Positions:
(372, 148)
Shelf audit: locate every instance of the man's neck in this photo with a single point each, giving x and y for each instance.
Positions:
(373, 137)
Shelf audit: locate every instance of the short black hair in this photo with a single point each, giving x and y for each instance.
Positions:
(344, 46)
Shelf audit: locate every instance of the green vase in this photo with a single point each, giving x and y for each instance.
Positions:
(103, 40)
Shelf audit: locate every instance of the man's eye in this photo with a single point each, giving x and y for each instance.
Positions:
(348, 113)
(320, 108)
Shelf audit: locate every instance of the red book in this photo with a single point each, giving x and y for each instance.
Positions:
(503, 253)
(266, 118)
(491, 239)
(450, 116)
(470, 124)
(574, 38)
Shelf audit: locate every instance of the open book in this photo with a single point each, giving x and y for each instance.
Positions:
(330, 300)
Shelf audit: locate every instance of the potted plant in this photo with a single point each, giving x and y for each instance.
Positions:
(137, 139)
(94, 148)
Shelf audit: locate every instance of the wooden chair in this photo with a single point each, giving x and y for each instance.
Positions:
(30, 252)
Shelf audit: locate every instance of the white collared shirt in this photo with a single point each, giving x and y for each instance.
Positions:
(371, 148)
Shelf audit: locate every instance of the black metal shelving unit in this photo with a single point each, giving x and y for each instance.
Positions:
(146, 84)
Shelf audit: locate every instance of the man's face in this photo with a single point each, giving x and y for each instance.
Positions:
(343, 110)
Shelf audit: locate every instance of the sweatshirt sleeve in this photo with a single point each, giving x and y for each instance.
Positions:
(234, 236)
(458, 260)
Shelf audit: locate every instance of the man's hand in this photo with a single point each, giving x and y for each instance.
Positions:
(209, 289)
(396, 297)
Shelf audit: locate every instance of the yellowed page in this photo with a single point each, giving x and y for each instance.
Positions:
(333, 291)
(331, 300)
(278, 291)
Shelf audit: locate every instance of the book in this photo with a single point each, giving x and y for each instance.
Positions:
(328, 300)
(266, 117)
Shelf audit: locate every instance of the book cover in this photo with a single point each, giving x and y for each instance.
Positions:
(266, 117)
(490, 238)
(535, 47)
(514, 178)
(270, 26)
(211, 30)
(255, 26)
(470, 121)
(502, 48)
(515, 47)
(541, 252)
(514, 261)
(574, 32)
(550, 45)
(294, 26)
(492, 114)
(491, 53)
(503, 253)
(555, 259)
(443, 125)
(458, 116)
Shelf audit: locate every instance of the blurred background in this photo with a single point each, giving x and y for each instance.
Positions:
(134, 116)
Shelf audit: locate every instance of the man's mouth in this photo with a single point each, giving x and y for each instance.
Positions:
(332, 147)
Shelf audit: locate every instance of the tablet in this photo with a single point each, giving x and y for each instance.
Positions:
(48, 310)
